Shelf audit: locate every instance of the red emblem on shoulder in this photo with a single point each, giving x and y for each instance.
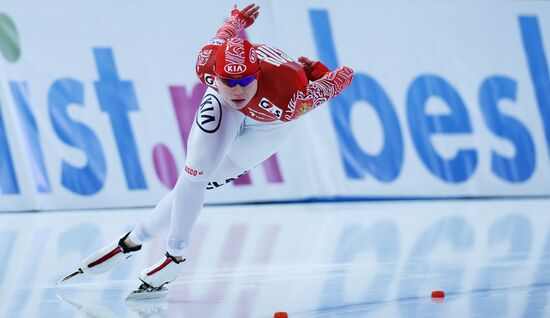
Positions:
(302, 107)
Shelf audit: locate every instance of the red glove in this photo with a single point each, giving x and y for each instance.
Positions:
(242, 20)
(246, 17)
(314, 69)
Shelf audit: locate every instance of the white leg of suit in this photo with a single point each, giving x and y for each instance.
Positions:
(222, 145)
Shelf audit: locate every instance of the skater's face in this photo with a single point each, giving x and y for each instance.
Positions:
(238, 92)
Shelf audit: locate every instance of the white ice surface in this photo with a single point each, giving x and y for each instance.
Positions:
(370, 259)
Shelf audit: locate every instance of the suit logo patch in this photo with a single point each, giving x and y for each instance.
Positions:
(209, 114)
(270, 107)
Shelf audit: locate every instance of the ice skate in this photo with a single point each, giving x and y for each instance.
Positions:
(104, 259)
(155, 278)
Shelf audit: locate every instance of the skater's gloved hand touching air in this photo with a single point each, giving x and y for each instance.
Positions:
(314, 69)
(248, 14)
(240, 20)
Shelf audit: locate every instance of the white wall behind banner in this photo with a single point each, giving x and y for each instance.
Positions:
(449, 99)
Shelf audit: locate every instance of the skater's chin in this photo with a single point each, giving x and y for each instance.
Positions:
(238, 103)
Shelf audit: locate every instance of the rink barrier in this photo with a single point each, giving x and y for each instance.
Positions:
(85, 122)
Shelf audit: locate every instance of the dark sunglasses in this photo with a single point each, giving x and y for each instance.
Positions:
(244, 81)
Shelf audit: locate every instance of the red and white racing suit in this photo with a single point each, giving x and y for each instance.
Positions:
(225, 142)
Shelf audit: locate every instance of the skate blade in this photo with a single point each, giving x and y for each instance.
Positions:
(140, 294)
(71, 275)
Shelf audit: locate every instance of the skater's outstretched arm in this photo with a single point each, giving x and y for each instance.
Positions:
(324, 86)
(240, 20)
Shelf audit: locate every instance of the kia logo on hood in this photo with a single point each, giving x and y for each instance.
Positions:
(234, 68)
